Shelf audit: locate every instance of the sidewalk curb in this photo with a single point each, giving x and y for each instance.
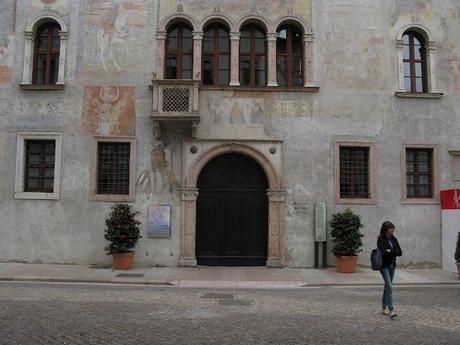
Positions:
(86, 281)
(219, 285)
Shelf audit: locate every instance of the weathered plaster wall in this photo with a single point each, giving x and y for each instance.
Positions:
(355, 67)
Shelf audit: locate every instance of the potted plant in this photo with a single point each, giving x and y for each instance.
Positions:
(457, 255)
(346, 239)
(122, 231)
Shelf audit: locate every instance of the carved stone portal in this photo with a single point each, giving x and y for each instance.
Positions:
(275, 196)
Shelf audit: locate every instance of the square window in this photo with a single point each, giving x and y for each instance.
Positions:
(38, 160)
(355, 172)
(419, 183)
(113, 169)
(419, 172)
(455, 165)
(39, 166)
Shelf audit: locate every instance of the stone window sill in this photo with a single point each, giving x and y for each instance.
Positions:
(420, 202)
(312, 89)
(112, 198)
(426, 95)
(42, 87)
(343, 201)
(36, 196)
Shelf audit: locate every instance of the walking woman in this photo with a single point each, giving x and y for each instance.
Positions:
(390, 249)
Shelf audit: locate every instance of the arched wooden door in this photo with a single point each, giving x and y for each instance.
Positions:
(232, 212)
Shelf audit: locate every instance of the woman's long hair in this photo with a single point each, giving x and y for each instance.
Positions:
(385, 226)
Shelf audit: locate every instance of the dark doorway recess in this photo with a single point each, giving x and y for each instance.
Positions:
(232, 213)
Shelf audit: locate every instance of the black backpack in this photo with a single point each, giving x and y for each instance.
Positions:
(376, 259)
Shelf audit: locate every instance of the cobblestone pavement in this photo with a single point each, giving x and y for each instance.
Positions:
(46, 313)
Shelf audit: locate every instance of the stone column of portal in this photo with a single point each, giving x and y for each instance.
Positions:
(188, 227)
(275, 227)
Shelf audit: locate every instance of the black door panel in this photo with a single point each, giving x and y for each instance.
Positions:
(232, 213)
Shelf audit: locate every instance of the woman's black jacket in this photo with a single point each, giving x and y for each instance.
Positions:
(388, 257)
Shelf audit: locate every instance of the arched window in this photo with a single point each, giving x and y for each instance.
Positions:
(216, 55)
(253, 56)
(414, 62)
(46, 54)
(179, 52)
(289, 48)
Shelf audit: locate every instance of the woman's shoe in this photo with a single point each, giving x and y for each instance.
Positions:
(393, 314)
(385, 311)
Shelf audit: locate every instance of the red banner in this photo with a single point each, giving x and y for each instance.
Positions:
(450, 199)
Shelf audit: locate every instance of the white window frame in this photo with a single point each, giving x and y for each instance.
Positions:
(430, 46)
(19, 192)
(131, 196)
(29, 47)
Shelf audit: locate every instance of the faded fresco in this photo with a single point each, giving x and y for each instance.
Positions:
(109, 110)
(360, 65)
(114, 29)
(159, 178)
(237, 8)
(237, 111)
(6, 41)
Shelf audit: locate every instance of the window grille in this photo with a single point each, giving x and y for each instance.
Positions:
(419, 173)
(354, 172)
(176, 99)
(39, 167)
(113, 168)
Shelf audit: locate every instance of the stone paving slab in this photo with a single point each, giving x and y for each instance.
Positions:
(220, 277)
(47, 313)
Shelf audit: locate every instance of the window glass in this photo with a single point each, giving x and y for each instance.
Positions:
(245, 44)
(406, 52)
(39, 166)
(354, 172)
(281, 42)
(46, 54)
(413, 63)
(245, 70)
(419, 173)
(289, 56)
(113, 168)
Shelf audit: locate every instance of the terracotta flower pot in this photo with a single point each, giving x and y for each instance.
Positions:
(122, 261)
(346, 264)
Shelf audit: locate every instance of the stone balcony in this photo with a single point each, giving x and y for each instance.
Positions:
(175, 100)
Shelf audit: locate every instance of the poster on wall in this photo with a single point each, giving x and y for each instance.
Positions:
(159, 221)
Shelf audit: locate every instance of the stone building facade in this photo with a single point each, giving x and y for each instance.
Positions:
(239, 116)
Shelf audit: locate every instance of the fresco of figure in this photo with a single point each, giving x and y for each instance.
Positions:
(114, 32)
(159, 179)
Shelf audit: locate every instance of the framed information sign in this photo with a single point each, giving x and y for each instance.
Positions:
(159, 221)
